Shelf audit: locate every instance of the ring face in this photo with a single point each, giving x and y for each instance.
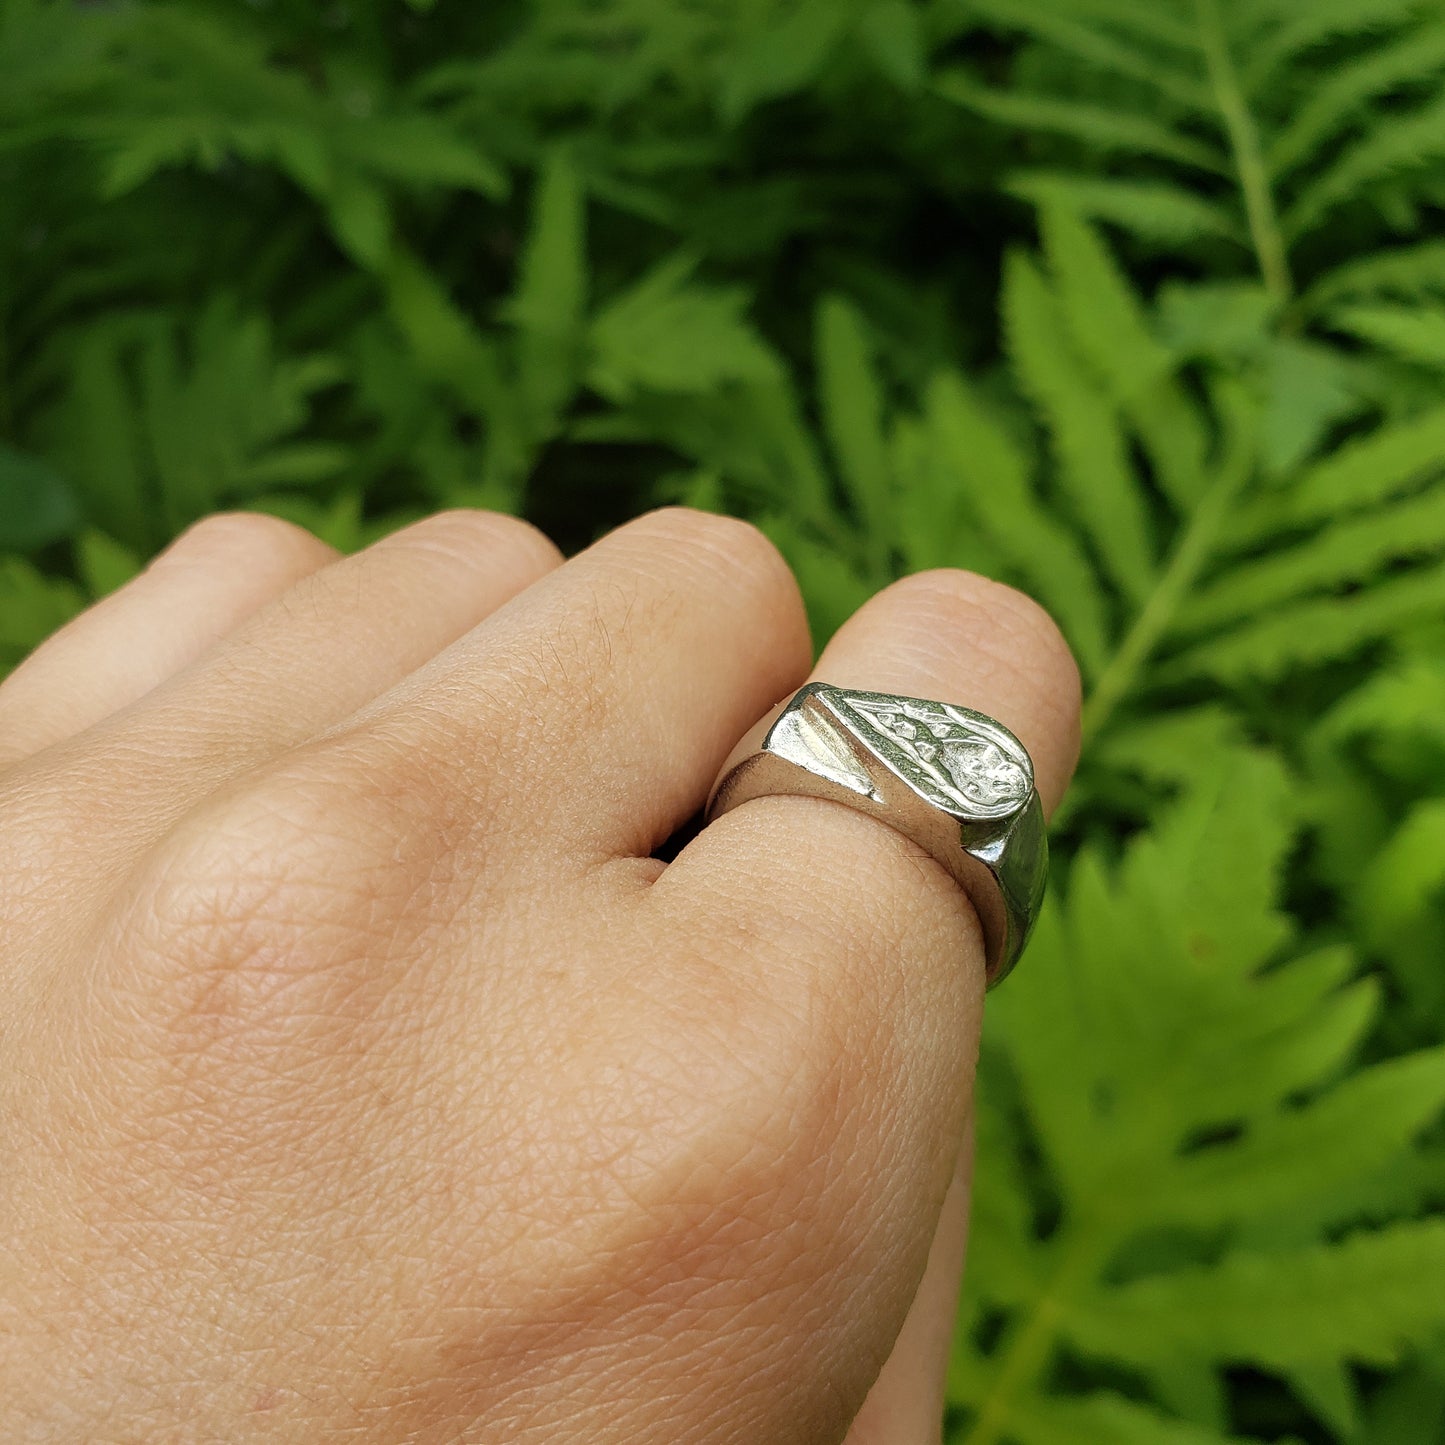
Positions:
(955, 781)
(958, 759)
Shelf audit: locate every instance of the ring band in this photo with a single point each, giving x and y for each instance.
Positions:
(957, 783)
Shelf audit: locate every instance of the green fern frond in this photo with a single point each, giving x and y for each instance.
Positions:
(1097, 126)
(1124, 1043)
(1408, 872)
(549, 308)
(1203, 138)
(1131, 53)
(1355, 1130)
(1415, 334)
(1411, 144)
(1377, 467)
(671, 334)
(1315, 631)
(1104, 1419)
(32, 606)
(1153, 22)
(165, 418)
(1093, 467)
(1337, 103)
(1352, 551)
(1154, 210)
(199, 90)
(852, 402)
(1406, 272)
(987, 468)
(1292, 29)
(1281, 1310)
(1110, 329)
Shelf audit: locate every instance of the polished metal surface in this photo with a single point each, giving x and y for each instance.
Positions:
(956, 782)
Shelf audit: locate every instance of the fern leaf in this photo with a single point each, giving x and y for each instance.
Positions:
(1360, 1126)
(1336, 104)
(1379, 466)
(1098, 127)
(1301, 27)
(1281, 1310)
(549, 307)
(1408, 272)
(781, 57)
(852, 403)
(103, 564)
(1412, 333)
(1407, 873)
(1000, 1208)
(989, 468)
(32, 606)
(1094, 470)
(1314, 632)
(835, 589)
(1092, 978)
(1330, 1392)
(935, 524)
(1109, 327)
(37, 504)
(1290, 1033)
(447, 345)
(1406, 701)
(419, 150)
(105, 458)
(892, 33)
(1172, 76)
(1124, 1040)
(672, 335)
(1154, 210)
(1104, 1419)
(1355, 549)
(1409, 143)
(1139, 18)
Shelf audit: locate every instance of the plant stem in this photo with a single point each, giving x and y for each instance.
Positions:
(1189, 557)
(1264, 228)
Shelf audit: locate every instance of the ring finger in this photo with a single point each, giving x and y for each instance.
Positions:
(872, 919)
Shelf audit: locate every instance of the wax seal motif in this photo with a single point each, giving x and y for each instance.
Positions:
(959, 759)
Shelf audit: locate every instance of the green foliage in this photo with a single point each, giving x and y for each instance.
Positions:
(1136, 304)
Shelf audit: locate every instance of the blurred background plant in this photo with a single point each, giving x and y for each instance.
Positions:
(1135, 304)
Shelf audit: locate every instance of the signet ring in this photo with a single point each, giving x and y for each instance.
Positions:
(956, 782)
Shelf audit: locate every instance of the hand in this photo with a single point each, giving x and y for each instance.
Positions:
(362, 1077)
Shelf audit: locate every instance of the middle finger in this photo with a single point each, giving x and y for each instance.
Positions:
(599, 707)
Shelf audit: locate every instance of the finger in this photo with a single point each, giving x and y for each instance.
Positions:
(905, 1405)
(305, 662)
(885, 945)
(208, 581)
(608, 702)
(350, 632)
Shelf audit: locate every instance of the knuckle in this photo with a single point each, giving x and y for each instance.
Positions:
(471, 536)
(272, 911)
(245, 537)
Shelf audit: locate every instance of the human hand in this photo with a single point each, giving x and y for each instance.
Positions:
(362, 1077)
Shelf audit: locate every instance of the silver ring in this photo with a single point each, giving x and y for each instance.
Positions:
(957, 783)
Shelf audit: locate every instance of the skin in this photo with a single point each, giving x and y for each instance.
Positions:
(363, 1078)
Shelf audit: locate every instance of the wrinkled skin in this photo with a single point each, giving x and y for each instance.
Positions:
(363, 1078)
